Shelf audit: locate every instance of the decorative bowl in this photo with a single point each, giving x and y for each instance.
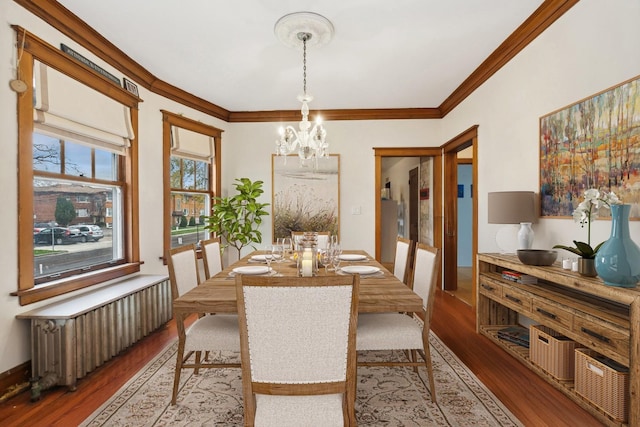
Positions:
(537, 256)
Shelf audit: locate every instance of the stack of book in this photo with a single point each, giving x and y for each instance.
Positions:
(515, 334)
(514, 276)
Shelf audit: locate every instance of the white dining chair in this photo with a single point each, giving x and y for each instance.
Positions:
(405, 332)
(403, 260)
(209, 332)
(211, 257)
(298, 349)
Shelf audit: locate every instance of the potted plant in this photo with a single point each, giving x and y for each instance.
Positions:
(236, 219)
(585, 213)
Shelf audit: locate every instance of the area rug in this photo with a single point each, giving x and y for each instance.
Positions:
(386, 396)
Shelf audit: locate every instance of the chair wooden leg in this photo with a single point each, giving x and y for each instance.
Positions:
(429, 365)
(196, 370)
(414, 358)
(176, 377)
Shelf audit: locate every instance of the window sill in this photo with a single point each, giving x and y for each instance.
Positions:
(63, 286)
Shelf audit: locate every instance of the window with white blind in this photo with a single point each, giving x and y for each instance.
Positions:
(191, 165)
(78, 171)
(80, 139)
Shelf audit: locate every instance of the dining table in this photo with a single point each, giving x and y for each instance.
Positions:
(379, 293)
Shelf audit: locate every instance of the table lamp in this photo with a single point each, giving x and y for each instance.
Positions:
(514, 207)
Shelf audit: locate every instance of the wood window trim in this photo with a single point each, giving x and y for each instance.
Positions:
(35, 48)
(171, 119)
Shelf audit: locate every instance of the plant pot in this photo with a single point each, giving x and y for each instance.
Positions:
(587, 267)
(618, 259)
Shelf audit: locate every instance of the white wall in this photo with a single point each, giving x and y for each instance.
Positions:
(592, 47)
(247, 149)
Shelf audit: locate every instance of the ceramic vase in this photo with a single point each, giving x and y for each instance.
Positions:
(618, 259)
(525, 236)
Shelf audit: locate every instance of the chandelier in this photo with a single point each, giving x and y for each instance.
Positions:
(310, 142)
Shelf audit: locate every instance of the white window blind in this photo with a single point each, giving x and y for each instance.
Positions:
(191, 145)
(67, 108)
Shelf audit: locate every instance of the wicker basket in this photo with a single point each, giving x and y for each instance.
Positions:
(552, 352)
(603, 382)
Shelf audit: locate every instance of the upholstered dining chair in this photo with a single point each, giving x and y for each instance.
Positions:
(297, 340)
(403, 260)
(208, 332)
(211, 257)
(400, 331)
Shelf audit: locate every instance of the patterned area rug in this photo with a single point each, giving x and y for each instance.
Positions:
(386, 396)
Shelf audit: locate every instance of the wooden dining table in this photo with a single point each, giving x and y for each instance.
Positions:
(381, 292)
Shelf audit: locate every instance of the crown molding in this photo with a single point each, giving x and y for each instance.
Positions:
(69, 24)
(352, 114)
(537, 23)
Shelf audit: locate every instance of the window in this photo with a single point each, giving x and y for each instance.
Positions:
(78, 170)
(193, 171)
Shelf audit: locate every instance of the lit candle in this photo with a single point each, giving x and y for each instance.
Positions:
(307, 269)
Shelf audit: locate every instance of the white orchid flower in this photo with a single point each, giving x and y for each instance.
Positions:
(591, 194)
(585, 214)
(613, 199)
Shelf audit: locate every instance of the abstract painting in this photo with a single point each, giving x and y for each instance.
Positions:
(594, 143)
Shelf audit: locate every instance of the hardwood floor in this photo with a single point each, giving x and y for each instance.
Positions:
(531, 399)
(464, 289)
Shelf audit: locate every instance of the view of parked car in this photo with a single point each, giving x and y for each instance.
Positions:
(61, 236)
(39, 226)
(88, 232)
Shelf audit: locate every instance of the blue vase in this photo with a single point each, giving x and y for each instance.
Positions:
(618, 259)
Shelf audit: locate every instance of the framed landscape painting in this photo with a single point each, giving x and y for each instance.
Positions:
(594, 143)
(305, 198)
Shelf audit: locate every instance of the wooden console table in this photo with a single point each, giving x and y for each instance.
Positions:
(603, 318)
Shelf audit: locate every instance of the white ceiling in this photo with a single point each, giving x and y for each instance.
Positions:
(384, 53)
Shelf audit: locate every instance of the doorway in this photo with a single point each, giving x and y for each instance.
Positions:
(436, 192)
(445, 160)
(467, 140)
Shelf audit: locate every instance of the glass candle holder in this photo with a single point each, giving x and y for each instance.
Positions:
(307, 261)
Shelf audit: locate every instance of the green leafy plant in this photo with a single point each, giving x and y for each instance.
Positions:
(236, 219)
(585, 214)
(65, 211)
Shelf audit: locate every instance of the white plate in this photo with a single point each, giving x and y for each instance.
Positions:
(263, 257)
(352, 257)
(361, 269)
(251, 269)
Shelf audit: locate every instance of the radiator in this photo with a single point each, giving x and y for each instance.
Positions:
(72, 338)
